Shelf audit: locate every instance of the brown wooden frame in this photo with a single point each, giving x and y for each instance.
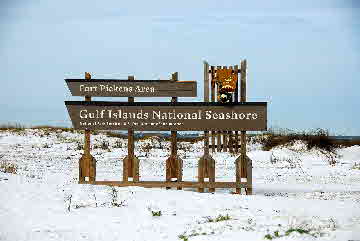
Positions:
(174, 164)
(227, 140)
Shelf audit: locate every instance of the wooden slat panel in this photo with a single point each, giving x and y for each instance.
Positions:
(225, 141)
(236, 94)
(236, 141)
(224, 133)
(219, 143)
(219, 133)
(229, 133)
(217, 89)
(231, 141)
(213, 95)
(243, 81)
(236, 99)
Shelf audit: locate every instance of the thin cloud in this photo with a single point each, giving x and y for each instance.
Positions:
(239, 19)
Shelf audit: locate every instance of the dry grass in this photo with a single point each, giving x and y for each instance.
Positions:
(47, 128)
(53, 128)
(115, 134)
(12, 127)
(356, 166)
(318, 138)
(192, 140)
(7, 167)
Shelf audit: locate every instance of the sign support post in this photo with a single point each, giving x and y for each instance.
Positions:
(206, 164)
(87, 163)
(131, 162)
(174, 163)
(243, 162)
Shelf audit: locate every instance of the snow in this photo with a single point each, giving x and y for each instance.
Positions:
(294, 188)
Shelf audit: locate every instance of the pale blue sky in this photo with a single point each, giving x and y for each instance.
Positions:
(303, 56)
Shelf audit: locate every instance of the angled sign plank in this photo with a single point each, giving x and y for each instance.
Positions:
(164, 116)
(131, 88)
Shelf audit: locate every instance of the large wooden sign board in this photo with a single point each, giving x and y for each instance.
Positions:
(224, 116)
(163, 116)
(133, 88)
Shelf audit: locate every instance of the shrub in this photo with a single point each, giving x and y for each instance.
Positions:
(53, 128)
(299, 230)
(79, 146)
(103, 145)
(118, 144)
(114, 198)
(46, 145)
(321, 140)
(287, 233)
(115, 134)
(219, 218)
(268, 236)
(156, 213)
(147, 148)
(318, 138)
(8, 167)
(183, 237)
(356, 166)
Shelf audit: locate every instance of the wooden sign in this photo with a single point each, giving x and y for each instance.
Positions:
(131, 88)
(163, 116)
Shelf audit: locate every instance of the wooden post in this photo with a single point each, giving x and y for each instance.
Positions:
(213, 95)
(87, 163)
(243, 163)
(219, 144)
(131, 162)
(201, 164)
(246, 163)
(236, 99)
(243, 133)
(206, 164)
(239, 163)
(174, 163)
(225, 141)
(230, 133)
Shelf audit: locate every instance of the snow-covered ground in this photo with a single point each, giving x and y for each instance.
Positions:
(298, 194)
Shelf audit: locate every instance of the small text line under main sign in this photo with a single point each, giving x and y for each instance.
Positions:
(164, 116)
(131, 88)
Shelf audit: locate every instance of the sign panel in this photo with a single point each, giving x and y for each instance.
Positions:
(164, 116)
(131, 88)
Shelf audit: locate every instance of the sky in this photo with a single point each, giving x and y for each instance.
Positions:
(303, 56)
